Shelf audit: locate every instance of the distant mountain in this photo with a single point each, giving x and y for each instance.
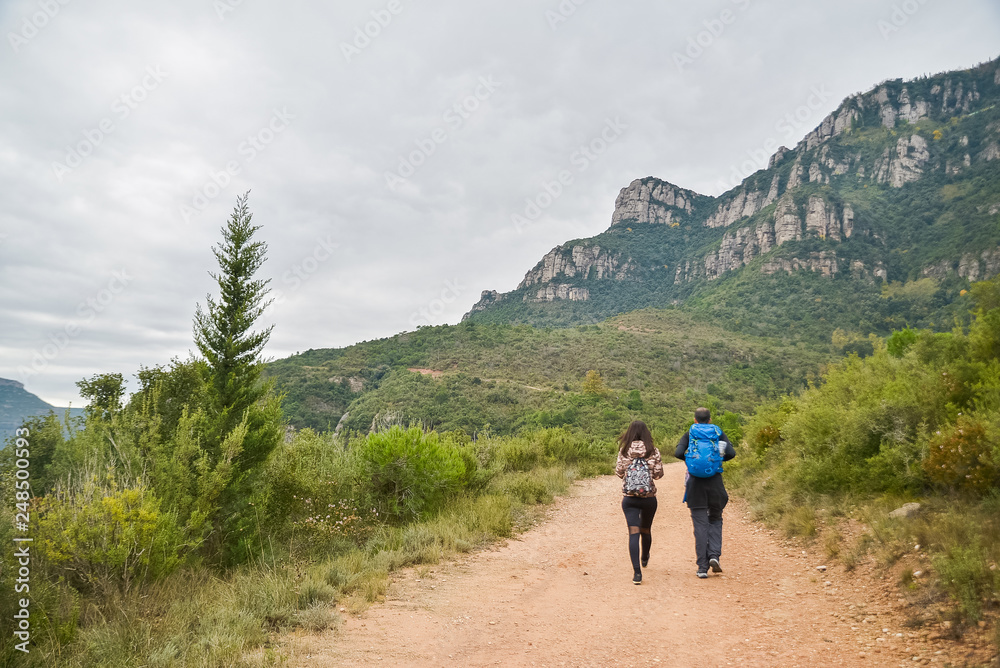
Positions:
(877, 219)
(17, 404)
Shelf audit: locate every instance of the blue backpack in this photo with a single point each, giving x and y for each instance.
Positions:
(703, 458)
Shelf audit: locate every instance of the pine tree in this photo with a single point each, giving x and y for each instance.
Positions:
(224, 336)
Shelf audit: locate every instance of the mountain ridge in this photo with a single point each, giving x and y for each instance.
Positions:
(17, 405)
(819, 207)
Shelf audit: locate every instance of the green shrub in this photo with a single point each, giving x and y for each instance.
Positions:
(98, 537)
(524, 487)
(964, 572)
(520, 453)
(409, 473)
(801, 521)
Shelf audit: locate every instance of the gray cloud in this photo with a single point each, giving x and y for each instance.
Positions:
(82, 83)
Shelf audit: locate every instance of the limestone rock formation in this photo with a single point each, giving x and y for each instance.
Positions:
(795, 177)
(777, 157)
(979, 266)
(800, 196)
(903, 164)
(742, 205)
(991, 152)
(581, 262)
(741, 246)
(848, 224)
(651, 201)
(487, 299)
(738, 248)
(832, 125)
(787, 224)
(824, 262)
(822, 219)
(559, 291)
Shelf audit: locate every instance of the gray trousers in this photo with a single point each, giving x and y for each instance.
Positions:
(707, 534)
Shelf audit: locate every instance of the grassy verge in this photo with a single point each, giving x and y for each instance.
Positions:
(944, 558)
(300, 579)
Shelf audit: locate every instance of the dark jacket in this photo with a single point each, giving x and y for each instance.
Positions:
(705, 492)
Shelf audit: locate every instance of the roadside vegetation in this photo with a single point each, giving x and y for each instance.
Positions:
(186, 525)
(918, 421)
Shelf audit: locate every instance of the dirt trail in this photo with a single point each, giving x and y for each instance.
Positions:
(561, 595)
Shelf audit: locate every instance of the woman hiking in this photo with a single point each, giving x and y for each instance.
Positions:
(638, 465)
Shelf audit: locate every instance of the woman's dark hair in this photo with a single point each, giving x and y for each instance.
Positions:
(637, 431)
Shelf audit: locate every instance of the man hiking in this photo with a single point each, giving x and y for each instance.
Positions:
(704, 447)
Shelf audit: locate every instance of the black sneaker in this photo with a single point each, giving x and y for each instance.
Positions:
(714, 563)
(637, 579)
(645, 561)
(702, 574)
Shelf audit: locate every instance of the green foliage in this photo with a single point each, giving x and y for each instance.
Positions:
(409, 473)
(505, 378)
(232, 351)
(730, 423)
(103, 393)
(121, 580)
(593, 384)
(524, 487)
(899, 341)
(919, 417)
(100, 537)
(43, 438)
(965, 574)
(241, 422)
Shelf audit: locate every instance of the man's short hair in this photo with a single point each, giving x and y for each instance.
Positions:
(702, 415)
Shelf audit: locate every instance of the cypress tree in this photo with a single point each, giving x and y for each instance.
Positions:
(224, 334)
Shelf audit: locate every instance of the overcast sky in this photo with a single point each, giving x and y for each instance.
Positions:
(387, 145)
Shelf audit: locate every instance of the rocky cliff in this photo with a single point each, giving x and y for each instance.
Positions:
(653, 201)
(832, 189)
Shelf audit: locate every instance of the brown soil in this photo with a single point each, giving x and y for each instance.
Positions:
(428, 372)
(561, 595)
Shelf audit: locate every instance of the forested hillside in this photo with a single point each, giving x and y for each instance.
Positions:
(501, 378)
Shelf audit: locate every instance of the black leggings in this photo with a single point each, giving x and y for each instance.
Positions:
(639, 511)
